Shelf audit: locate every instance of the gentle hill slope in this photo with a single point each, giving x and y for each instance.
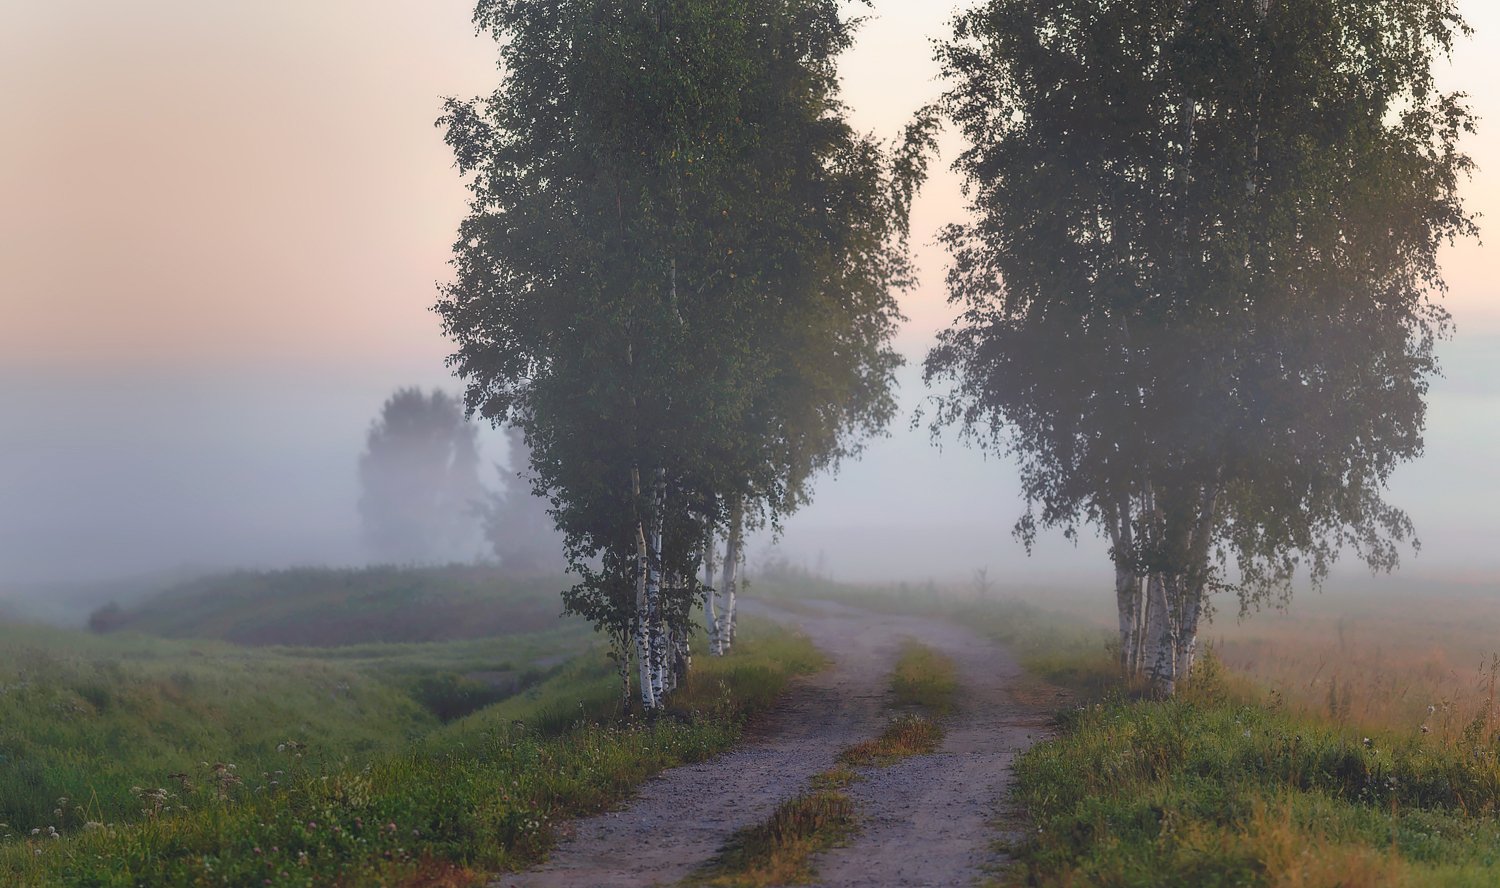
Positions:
(325, 607)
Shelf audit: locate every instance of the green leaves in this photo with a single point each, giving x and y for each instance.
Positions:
(1202, 261)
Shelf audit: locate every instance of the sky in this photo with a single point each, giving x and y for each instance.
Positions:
(221, 225)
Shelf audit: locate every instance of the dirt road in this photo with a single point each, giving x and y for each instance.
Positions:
(925, 821)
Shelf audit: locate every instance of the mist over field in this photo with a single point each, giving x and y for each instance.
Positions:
(168, 405)
(142, 475)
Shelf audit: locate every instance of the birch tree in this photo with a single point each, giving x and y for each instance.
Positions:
(631, 274)
(822, 228)
(1199, 285)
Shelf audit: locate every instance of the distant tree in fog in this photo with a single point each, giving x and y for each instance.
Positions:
(419, 480)
(1197, 287)
(516, 523)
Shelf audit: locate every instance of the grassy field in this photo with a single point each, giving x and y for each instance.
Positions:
(297, 744)
(1351, 742)
(1222, 788)
(328, 607)
(473, 797)
(1376, 662)
(86, 718)
(93, 718)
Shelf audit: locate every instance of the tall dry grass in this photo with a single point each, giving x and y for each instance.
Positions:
(1424, 663)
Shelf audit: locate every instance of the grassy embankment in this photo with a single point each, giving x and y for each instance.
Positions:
(86, 717)
(779, 850)
(325, 764)
(316, 607)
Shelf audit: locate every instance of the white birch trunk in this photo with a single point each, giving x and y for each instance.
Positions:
(734, 558)
(1187, 633)
(1190, 587)
(643, 626)
(1128, 601)
(1138, 642)
(710, 596)
(1127, 589)
(649, 700)
(730, 584)
(1159, 654)
(682, 658)
(657, 633)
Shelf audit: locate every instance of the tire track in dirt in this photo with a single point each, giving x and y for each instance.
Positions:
(925, 821)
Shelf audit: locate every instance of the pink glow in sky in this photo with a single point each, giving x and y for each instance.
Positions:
(221, 222)
(241, 184)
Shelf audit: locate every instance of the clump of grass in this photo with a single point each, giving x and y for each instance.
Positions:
(905, 736)
(923, 678)
(778, 851)
(837, 777)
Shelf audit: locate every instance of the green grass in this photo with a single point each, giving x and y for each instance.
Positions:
(1215, 788)
(905, 736)
(779, 850)
(923, 678)
(328, 607)
(478, 796)
(87, 718)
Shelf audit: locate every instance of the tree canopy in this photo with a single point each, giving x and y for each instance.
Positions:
(1198, 286)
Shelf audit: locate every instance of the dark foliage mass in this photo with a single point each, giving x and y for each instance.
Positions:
(676, 277)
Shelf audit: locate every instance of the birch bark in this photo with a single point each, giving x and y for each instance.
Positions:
(1157, 654)
(642, 604)
(733, 563)
(711, 595)
(1127, 588)
(656, 633)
